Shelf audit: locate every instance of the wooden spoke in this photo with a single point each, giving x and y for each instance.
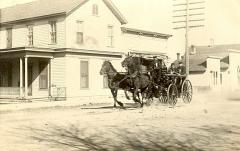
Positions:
(163, 95)
(163, 99)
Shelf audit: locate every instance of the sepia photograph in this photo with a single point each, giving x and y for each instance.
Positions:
(120, 75)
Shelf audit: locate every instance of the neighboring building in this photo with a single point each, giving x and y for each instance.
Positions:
(215, 67)
(57, 47)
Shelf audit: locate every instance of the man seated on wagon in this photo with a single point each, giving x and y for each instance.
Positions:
(181, 68)
(172, 69)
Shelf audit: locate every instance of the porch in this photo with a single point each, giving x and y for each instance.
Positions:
(25, 75)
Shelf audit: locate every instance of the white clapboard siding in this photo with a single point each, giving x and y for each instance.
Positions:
(19, 36)
(3, 41)
(41, 34)
(95, 28)
(58, 71)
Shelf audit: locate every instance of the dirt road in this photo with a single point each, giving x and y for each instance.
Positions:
(205, 124)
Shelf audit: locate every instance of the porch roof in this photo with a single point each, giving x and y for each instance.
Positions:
(26, 52)
(49, 52)
(20, 49)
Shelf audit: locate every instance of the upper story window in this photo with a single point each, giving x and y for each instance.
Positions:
(9, 38)
(53, 32)
(95, 9)
(110, 35)
(79, 33)
(30, 35)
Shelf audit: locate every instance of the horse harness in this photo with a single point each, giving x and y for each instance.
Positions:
(131, 76)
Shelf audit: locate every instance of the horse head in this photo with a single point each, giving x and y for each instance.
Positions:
(128, 61)
(105, 68)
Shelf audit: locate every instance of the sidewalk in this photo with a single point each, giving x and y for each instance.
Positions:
(11, 106)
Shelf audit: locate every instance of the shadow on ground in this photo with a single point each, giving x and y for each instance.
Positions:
(110, 138)
(127, 106)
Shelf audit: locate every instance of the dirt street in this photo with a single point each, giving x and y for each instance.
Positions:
(206, 123)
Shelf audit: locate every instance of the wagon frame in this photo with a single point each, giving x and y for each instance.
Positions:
(172, 87)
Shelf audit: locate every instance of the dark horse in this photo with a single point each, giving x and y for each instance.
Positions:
(118, 81)
(141, 80)
(155, 69)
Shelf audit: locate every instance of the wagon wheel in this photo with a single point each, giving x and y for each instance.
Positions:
(187, 91)
(172, 94)
(163, 97)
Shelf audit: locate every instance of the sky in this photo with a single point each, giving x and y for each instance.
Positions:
(221, 24)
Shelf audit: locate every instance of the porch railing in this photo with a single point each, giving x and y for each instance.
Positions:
(59, 93)
(9, 91)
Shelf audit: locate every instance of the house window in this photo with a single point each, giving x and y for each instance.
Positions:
(9, 38)
(110, 36)
(215, 77)
(43, 75)
(53, 32)
(105, 81)
(95, 9)
(79, 35)
(238, 73)
(30, 35)
(84, 77)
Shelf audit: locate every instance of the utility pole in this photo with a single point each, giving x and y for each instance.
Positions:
(186, 38)
(191, 13)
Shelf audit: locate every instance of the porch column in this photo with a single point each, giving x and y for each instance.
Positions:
(49, 77)
(26, 78)
(21, 76)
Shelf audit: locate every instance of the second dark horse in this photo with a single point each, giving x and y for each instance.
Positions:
(118, 81)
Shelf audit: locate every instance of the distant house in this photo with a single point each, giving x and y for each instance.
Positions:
(54, 48)
(215, 67)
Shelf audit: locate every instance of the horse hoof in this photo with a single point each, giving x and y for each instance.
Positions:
(122, 107)
(120, 103)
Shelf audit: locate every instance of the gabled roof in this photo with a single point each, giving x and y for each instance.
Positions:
(145, 33)
(197, 61)
(43, 8)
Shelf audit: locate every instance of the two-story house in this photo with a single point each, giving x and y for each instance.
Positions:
(57, 47)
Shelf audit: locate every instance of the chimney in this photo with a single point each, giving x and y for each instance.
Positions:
(182, 57)
(211, 42)
(192, 50)
(178, 56)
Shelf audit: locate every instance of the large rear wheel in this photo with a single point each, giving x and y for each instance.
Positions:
(187, 91)
(172, 94)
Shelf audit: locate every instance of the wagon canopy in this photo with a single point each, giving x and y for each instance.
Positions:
(148, 54)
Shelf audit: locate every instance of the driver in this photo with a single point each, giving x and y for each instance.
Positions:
(172, 69)
(181, 68)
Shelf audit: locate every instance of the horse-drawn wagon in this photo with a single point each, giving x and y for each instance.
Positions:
(148, 75)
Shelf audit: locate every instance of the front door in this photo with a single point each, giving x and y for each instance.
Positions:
(30, 79)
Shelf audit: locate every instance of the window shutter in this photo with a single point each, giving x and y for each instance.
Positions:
(43, 75)
(84, 77)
